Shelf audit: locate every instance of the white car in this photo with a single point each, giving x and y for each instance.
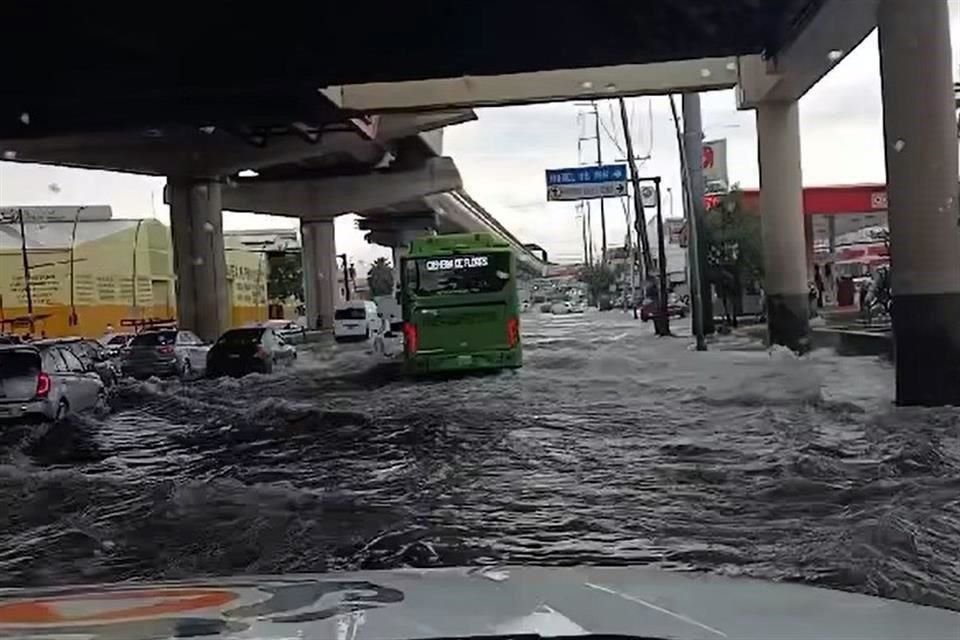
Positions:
(561, 308)
(357, 320)
(291, 331)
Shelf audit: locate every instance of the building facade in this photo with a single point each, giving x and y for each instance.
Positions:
(87, 273)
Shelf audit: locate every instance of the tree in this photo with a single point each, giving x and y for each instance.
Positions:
(380, 278)
(286, 276)
(734, 249)
(598, 279)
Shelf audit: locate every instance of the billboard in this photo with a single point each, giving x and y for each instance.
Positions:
(715, 176)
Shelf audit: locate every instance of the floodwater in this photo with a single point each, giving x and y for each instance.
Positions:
(610, 447)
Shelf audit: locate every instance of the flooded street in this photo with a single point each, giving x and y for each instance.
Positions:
(609, 447)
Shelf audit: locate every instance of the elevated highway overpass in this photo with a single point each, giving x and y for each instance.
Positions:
(303, 95)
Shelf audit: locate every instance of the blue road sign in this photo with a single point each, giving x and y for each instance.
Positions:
(584, 183)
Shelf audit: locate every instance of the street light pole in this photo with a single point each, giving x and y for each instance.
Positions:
(603, 212)
(693, 160)
(639, 218)
(661, 321)
(693, 263)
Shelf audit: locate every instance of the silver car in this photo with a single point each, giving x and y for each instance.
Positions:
(45, 384)
(291, 332)
(164, 352)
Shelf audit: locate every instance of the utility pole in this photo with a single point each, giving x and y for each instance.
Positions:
(661, 321)
(639, 219)
(603, 213)
(693, 265)
(693, 151)
(346, 277)
(583, 212)
(26, 271)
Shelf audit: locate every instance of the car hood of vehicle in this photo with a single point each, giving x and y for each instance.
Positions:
(443, 603)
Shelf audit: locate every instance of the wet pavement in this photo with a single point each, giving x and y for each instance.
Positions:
(609, 447)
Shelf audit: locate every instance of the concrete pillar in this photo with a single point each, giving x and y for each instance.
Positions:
(832, 235)
(781, 208)
(320, 286)
(808, 244)
(398, 252)
(196, 227)
(922, 192)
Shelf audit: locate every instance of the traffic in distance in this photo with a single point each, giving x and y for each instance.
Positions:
(456, 309)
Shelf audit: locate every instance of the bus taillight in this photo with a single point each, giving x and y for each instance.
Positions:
(513, 331)
(410, 337)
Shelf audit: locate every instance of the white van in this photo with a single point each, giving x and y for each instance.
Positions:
(357, 320)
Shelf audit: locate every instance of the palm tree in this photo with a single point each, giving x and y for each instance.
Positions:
(380, 278)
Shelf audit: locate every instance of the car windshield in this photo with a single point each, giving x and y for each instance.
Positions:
(241, 337)
(481, 273)
(461, 319)
(154, 339)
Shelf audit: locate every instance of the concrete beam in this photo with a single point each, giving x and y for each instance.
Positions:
(542, 86)
(324, 198)
(181, 152)
(400, 125)
(832, 33)
(457, 209)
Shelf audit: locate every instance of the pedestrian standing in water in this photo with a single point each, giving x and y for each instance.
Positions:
(818, 283)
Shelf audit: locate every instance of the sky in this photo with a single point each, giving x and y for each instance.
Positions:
(503, 154)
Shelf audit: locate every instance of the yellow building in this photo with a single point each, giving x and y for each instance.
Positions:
(94, 273)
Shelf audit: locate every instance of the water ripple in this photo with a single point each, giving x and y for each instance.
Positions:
(610, 447)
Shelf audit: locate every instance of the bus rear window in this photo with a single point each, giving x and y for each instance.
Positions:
(486, 273)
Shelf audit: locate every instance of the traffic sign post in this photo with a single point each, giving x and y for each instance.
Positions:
(587, 183)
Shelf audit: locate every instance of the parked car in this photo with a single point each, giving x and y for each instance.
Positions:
(164, 352)
(115, 342)
(560, 308)
(290, 331)
(45, 382)
(92, 354)
(357, 320)
(248, 350)
(649, 308)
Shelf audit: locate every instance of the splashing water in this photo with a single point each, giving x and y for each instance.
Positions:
(609, 447)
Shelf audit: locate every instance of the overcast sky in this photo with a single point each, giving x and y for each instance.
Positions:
(502, 157)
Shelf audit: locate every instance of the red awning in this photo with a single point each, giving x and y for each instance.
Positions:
(834, 200)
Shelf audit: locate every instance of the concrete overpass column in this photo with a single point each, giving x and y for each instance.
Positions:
(401, 246)
(781, 208)
(398, 251)
(196, 227)
(922, 192)
(319, 272)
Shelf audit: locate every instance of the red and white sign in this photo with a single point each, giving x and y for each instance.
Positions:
(715, 163)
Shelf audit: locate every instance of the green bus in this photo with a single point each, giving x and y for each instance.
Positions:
(459, 298)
